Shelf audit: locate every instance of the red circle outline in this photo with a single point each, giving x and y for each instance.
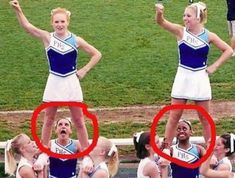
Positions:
(174, 160)
(56, 104)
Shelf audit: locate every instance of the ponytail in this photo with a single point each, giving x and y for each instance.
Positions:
(10, 162)
(113, 163)
(141, 139)
(111, 155)
(12, 147)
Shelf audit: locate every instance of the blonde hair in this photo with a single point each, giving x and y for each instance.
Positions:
(60, 10)
(201, 11)
(12, 149)
(111, 155)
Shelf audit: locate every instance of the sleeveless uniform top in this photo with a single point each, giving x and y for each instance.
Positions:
(193, 50)
(225, 160)
(23, 162)
(63, 168)
(62, 55)
(141, 166)
(191, 155)
(103, 166)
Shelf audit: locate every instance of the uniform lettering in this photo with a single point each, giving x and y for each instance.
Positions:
(183, 156)
(59, 45)
(60, 151)
(192, 40)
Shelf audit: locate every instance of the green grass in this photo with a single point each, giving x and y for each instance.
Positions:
(119, 129)
(139, 58)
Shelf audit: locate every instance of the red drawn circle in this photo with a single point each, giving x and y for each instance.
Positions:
(56, 104)
(175, 160)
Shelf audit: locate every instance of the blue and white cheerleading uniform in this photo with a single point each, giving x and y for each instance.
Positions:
(192, 81)
(191, 155)
(63, 168)
(62, 83)
(103, 166)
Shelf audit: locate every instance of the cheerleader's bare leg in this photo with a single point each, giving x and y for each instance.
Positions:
(205, 125)
(48, 122)
(78, 120)
(172, 122)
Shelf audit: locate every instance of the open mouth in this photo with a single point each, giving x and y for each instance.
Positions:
(181, 135)
(63, 132)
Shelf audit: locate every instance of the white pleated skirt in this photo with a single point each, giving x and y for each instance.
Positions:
(63, 89)
(191, 85)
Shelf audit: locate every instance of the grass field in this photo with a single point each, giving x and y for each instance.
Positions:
(139, 58)
(119, 129)
(138, 65)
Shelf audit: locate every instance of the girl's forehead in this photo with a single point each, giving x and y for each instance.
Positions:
(219, 140)
(25, 138)
(60, 15)
(63, 121)
(189, 10)
(182, 123)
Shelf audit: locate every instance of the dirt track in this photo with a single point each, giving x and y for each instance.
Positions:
(135, 113)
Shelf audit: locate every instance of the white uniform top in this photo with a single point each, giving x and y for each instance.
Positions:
(141, 167)
(225, 160)
(23, 162)
(103, 166)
